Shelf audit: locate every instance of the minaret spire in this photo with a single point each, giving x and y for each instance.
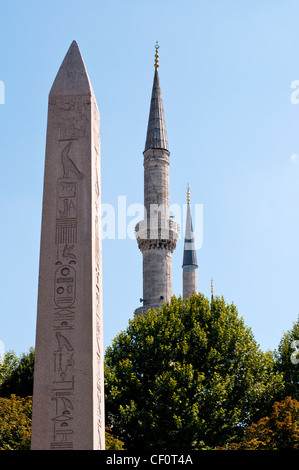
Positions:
(189, 259)
(157, 234)
(156, 137)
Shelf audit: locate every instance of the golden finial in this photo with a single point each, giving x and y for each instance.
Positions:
(157, 55)
(188, 194)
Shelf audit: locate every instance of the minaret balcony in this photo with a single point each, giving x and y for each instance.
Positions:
(143, 310)
(157, 228)
(157, 233)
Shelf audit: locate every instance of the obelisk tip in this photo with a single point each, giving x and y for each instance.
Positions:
(72, 77)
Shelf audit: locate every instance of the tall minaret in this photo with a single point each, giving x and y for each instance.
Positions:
(189, 259)
(157, 234)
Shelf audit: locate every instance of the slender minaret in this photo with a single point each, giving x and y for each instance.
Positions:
(157, 234)
(68, 393)
(189, 259)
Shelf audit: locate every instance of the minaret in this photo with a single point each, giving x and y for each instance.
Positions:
(189, 259)
(157, 234)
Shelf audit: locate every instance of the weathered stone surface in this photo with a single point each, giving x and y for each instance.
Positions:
(157, 234)
(68, 397)
(189, 281)
(156, 137)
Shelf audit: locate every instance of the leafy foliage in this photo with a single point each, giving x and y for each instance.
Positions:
(187, 376)
(15, 423)
(16, 378)
(8, 364)
(16, 374)
(279, 431)
(111, 443)
(284, 363)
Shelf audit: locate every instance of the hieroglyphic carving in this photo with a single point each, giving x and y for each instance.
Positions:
(64, 318)
(65, 397)
(68, 164)
(77, 103)
(66, 215)
(63, 393)
(65, 286)
(71, 113)
(68, 252)
(66, 231)
(98, 296)
(64, 312)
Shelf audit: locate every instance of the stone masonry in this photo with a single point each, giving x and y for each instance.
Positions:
(157, 234)
(68, 395)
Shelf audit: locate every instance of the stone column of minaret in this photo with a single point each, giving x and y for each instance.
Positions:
(68, 394)
(157, 234)
(189, 258)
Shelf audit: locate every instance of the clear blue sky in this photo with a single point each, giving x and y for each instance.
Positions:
(226, 69)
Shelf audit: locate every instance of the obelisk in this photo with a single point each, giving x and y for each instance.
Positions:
(68, 395)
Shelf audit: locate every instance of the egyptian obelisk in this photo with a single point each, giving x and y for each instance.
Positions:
(68, 395)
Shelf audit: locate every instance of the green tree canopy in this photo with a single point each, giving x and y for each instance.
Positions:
(186, 376)
(17, 374)
(287, 361)
(8, 364)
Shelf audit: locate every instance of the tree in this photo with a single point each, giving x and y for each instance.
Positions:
(18, 377)
(279, 431)
(187, 376)
(7, 365)
(287, 361)
(15, 423)
(111, 443)
(16, 388)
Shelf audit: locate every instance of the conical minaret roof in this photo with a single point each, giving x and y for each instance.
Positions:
(189, 258)
(156, 137)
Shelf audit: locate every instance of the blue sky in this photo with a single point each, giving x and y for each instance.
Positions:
(226, 69)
